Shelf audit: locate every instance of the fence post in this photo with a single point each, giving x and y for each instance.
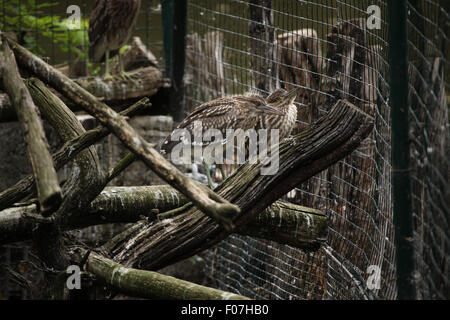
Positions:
(174, 16)
(401, 162)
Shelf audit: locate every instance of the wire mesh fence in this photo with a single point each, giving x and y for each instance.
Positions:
(332, 50)
(329, 50)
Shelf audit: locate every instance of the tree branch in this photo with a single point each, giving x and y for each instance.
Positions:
(83, 185)
(48, 189)
(282, 222)
(148, 284)
(204, 198)
(66, 153)
(320, 145)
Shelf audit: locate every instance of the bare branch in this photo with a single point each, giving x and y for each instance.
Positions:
(204, 198)
(48, 189)
(65, 154)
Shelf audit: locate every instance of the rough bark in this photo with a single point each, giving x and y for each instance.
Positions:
(48, 189)
(147, 82)
(322, 144)
(204, 198)
(84, 183)
(282, 222)
(66, 153)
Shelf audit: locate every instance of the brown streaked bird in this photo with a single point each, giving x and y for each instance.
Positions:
(244, 112)
(110, 27)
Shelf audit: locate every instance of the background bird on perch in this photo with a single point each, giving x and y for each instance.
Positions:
(110, 27)
(250, 111)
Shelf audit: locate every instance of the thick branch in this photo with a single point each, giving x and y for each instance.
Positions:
(84, 183)
(150, 285)
(148, 81)
(66, 153)
(48, 189)
(204, 198)
(282, 222)
(320, 145)
(6, 110)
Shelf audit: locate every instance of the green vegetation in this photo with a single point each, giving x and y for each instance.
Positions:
(31, 24)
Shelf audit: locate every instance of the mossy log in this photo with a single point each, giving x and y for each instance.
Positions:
(285, 223)
(150, 285)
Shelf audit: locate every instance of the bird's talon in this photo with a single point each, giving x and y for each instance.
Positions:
(129, 78)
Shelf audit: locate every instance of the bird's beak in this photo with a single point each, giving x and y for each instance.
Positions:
(291, 95)
(271, 110)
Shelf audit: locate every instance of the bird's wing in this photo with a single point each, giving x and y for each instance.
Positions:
(216, 114)
(221, 114)
(98, 26)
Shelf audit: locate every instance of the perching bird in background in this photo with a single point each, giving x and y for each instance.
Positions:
(110, 27)
(251, 111)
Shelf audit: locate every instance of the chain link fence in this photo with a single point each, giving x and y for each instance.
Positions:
(331, 50)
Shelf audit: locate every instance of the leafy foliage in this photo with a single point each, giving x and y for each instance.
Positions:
(31, 23)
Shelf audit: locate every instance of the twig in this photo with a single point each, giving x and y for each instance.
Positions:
(120, 166)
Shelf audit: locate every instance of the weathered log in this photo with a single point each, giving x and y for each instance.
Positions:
(148, 284)
(66, 153)
(282, 222)
(324, 143)
(203, 197)
(84, 183)
(147, 82)
(137, 58)
(48, 189)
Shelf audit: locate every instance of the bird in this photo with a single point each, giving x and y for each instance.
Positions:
(248, 111)
(110, 26)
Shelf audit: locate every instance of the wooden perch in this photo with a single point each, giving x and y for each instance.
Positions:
(48, 189)
(83, 184)
(204, 198)
(148, 284)
(319, 146)
(285, 223)
(148, 81)
(66, 153)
